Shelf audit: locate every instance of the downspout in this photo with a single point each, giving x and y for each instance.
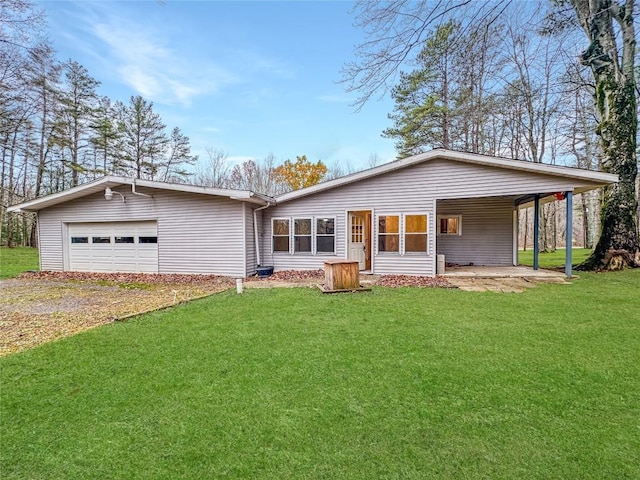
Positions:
(133, 190)
(255, 231)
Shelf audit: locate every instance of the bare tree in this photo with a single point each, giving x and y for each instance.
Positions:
(257, 176)
(213, 170)
(396, 30)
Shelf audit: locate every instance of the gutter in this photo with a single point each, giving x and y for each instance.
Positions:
(255, 231)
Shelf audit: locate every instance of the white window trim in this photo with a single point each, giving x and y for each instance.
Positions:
(404, 233)
(273, 246)
(455, 215)
(401, 233)
(293, 235)
(314, 235)
(377, 229)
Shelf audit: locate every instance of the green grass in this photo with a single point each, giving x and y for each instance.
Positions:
(554, 259)
(14, 261)
(290, 383)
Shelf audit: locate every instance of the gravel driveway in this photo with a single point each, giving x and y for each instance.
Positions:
(37, 308)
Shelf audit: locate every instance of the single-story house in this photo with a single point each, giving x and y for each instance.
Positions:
(393, 219)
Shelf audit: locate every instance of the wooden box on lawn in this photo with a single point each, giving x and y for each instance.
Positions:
(341, 275)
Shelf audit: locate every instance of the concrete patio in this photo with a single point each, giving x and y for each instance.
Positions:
(479, 271)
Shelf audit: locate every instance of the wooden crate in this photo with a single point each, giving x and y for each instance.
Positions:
(341, 275)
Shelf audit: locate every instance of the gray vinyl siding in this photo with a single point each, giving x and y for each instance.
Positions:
(464, 180)
(391, 194)
(50, 242)
(196, 233)
(410, 190)
(487, 231)
(250, 254)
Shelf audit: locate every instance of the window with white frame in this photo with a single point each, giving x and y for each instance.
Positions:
(449, 224)
(325, 235)
(389, 233)
(302, 235)
(411, 228)
(415, 233)
(280, 234)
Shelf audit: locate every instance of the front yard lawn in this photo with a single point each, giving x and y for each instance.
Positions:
(289, 383)
(14, 261)
(554, 259)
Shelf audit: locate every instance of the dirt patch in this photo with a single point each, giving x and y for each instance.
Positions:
(44, 306)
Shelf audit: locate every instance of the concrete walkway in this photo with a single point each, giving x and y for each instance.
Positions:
(471, 271)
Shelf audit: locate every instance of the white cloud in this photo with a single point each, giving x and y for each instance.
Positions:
(153, 69)
(163, 64)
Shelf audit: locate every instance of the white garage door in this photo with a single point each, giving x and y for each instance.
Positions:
(113, 247)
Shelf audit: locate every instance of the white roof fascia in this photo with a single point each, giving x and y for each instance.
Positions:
(56, 198)
(599, 178)
(112, 181)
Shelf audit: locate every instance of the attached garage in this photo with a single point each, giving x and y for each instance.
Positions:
(118, 224)
(113, 247)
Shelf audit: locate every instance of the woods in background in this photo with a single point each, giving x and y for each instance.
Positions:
(553, 82)
(56, 131)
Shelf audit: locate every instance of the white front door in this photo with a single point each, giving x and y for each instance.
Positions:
(357, 239)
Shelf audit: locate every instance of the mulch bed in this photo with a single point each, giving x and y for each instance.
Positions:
(290, 276)
(392, 281)
(132, 278)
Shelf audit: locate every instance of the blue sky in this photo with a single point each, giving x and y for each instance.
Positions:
(248, 78)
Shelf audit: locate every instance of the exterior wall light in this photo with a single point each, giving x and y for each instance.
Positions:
(108, 194)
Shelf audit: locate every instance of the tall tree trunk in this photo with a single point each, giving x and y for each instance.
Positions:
(585, 222)
(619, 245)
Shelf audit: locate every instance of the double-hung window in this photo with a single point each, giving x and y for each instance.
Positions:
(403, 234)
(325, 235)
(280, 235)
(415, 233)
(302, 235)
(389, 233)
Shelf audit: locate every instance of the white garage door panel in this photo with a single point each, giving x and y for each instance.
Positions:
(113, 257)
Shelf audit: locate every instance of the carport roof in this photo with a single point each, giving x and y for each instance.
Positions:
(597, 179)
(112, 181)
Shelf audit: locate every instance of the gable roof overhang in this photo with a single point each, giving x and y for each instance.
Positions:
(112, 181)
(595, 178)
